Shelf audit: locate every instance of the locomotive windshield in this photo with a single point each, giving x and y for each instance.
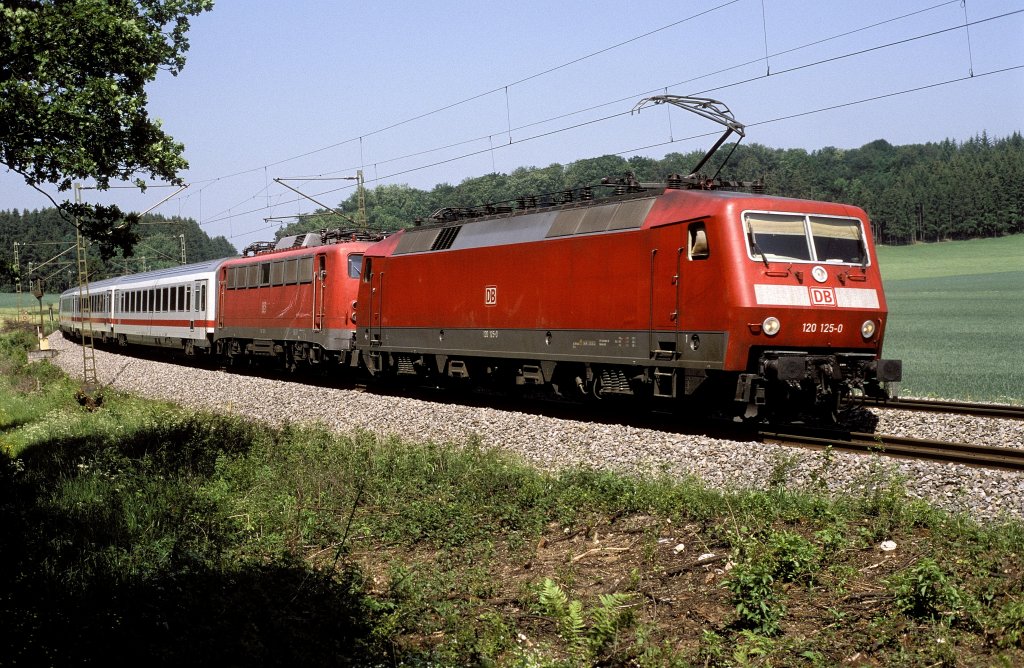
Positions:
(804, 238)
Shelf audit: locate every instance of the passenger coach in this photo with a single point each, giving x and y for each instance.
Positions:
(171, 308)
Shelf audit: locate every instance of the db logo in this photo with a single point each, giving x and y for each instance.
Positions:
(823, 297)
(491, 295)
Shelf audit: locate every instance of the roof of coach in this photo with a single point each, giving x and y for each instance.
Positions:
(209, 266)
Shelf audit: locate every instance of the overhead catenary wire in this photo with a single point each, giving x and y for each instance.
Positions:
(216, 217)
(635, 95)
(205, 183)
(682, 139)
(510, 130)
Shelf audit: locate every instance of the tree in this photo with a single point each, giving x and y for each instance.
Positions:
(73, 102)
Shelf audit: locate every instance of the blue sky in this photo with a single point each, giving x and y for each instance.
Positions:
(304, 88)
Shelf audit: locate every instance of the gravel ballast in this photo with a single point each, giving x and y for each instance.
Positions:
(552, 443)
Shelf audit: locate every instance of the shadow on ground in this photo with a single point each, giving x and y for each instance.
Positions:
(93, 574)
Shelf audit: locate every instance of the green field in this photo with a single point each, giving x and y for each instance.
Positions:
(956, 318)
(9, 301)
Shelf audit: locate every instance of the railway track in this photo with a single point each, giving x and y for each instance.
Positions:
(987, 456)
(956, 407)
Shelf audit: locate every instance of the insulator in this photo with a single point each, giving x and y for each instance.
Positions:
(586, 194)
(758, 187)
(675, 182)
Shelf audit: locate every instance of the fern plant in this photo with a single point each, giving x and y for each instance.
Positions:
(584, 640)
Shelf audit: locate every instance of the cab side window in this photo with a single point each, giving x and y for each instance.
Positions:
(697, 242)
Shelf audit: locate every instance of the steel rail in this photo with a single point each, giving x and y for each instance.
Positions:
(916, 448)
(936, 406)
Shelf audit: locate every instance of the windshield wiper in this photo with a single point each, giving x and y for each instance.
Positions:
(757, 249)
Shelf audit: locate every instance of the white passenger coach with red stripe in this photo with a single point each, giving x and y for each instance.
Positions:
(172, 307)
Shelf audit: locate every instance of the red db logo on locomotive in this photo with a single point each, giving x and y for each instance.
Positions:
(823, 296)
(491, 295)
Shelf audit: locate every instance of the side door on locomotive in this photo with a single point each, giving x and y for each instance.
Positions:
(683, 301)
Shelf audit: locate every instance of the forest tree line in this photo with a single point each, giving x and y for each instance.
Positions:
(46, 249)
(918, 192)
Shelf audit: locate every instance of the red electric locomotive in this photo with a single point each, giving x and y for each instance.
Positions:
(293, 301)
(773, 303)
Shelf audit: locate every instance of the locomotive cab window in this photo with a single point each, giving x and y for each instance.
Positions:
(837, 240)
(794, 237)
(697, 242)
(777, 236)
(355, 265)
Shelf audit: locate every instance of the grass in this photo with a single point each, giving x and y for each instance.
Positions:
(146, 532)
(9, 301)
(956, 318)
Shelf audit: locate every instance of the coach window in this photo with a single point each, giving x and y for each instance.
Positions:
(202, 297)
(181, 298)
(355, 265)
(264, 273)
(174, 299)
(165, 304)
(698, 242)
(188, 297)
(306, 269)
(277, 273)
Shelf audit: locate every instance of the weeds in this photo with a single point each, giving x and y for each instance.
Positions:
(926, 591)
(180, 537)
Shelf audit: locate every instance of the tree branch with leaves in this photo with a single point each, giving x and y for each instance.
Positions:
(73, 100)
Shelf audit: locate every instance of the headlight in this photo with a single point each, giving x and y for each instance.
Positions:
(771, 325)
(867, 329)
